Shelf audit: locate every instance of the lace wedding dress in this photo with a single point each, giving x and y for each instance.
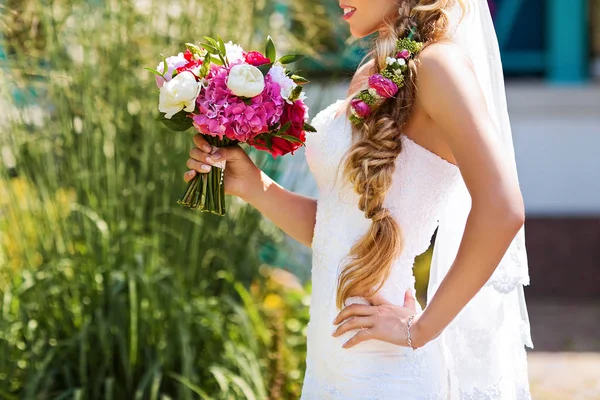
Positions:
(373, 369)
(496, 367)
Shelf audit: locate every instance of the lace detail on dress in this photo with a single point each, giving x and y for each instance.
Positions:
(512, 272)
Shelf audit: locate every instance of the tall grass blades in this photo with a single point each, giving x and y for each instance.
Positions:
(108, 288)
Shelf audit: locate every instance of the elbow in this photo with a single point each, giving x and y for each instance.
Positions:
(513, 212)
(507, 213)
(515, 217)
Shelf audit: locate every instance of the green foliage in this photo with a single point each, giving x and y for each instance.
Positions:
(108, 288)
(179, 122)
(395, 75)
(367, 97)
(408, 44)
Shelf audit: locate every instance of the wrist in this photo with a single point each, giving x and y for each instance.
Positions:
(418, 335)
(254, 187)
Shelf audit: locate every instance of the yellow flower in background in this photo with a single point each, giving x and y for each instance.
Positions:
(23, 209)
(273, 302)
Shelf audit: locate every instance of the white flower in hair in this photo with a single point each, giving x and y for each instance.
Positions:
(391, 61)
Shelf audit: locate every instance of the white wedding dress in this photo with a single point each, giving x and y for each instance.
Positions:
(420, 187)
(481, 354)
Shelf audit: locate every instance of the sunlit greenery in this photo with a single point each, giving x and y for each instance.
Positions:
(108, 288)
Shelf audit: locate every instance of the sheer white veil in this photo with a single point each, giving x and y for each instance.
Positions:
(485, 343)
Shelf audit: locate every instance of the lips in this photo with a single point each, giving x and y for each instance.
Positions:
(348, 11)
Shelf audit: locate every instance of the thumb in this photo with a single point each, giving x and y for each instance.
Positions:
(409, 300)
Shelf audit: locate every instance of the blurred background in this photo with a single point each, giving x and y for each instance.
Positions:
(110, 290)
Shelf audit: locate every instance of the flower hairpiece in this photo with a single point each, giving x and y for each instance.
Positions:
(387, 83)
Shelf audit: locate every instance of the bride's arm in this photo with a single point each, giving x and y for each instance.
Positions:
(450, 94)
(291, 212)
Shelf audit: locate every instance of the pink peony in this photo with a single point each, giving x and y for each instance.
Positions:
(405, 54)
(385, 87)
(296, 114)
(361, 108)
(223, 114)
(256, 59)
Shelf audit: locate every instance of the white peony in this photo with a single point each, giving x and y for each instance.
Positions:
(401, 61)
(245, 80)
(178, 94)
(234, 52)
(277, 74)
(390, 60)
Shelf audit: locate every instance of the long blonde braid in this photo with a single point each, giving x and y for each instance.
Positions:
(371, 160)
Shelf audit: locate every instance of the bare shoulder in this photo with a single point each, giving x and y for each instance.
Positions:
(445, 73)
(445, 58)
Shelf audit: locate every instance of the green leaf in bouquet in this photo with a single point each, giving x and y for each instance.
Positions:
(179, 122)
(215, 60)
(212, 42)
(265, 68)
(290, 58)
(298, 80)
(212, 47)
(308, 127)
(155, 72)
(284, 128)
(165, 65)
(292, 139)
(221, 44)
(270, 51)
(296, 92)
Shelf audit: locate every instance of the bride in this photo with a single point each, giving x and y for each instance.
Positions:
(423, 142)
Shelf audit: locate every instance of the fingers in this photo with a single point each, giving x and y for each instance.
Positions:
(360, 337)
(197, 166)
(409, 300)
(202, 144)
(358, 310)
(202, 156)
(189, 175)
(354, 323)
(201, 161)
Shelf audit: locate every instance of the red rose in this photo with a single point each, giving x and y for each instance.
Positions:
(296, 113)
(189, 66)
(256, 59)
(188, 56)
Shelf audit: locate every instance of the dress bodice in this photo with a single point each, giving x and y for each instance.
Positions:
(421, 183)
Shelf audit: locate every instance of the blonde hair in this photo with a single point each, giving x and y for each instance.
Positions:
(370, 162)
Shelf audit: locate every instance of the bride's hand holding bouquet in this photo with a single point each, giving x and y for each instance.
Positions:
(241, 174)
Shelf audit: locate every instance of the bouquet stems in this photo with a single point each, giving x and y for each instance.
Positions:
(206, 192)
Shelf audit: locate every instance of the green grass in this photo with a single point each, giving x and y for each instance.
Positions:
(108, 288)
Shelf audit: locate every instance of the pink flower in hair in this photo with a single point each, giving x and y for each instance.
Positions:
(384, 87)
(361, 108)
(404, 54)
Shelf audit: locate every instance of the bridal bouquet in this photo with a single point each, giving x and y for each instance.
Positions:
(231, 96)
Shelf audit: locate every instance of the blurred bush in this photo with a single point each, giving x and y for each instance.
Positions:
(108, 288)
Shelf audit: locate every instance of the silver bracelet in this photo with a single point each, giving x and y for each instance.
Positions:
(408, 324)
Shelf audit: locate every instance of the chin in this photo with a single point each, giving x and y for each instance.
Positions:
(361, 32)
